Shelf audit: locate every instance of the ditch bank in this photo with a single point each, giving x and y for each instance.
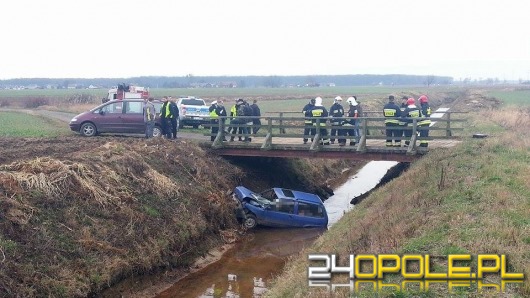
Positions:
(80, 214)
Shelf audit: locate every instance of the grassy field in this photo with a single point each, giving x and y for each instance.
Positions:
(13, 124)
(214, 93)
(513, 97)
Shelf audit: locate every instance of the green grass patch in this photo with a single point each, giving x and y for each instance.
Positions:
(513, 97)
(14, 124)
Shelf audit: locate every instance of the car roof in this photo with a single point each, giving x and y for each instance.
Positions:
(123, 100)
(297, 195)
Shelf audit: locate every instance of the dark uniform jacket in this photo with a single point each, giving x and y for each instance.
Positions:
(391, 110)
(307, 112)
(410, 112)
(336, 111)
(425, 113)
(319, 111)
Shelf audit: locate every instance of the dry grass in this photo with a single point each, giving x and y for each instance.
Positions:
(76, 220)
(471, 199)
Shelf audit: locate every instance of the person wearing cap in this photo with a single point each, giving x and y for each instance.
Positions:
(336, 112)
(319, 111)
(424, 124)
(308, 123)
(411, 112)
(392, 113)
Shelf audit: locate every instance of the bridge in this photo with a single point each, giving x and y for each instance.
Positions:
(281, 136)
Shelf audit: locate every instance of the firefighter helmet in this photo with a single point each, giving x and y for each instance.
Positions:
(424, 99)
(338, 98)
(318, 101)
(351, 101)
(410, 101)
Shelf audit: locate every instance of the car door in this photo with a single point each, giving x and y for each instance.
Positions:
(108, 117)
(133, 117)
(280, 212)
(310, 215)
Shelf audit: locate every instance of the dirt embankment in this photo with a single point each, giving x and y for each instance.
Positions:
(79, 214)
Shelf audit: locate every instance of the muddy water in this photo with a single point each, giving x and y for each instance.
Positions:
(247, 269)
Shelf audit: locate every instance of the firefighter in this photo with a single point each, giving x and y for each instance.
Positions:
(321, 112)
(349, 124)
(403, 124)
(424, 123)
(411, 111)
(392, 113)
(336, 112)
(308, 123)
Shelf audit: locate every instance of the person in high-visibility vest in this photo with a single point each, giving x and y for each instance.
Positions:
(163, 120)
(392, 113)
(216, 110)
(149, 117)
(424, 123)
(320, 111)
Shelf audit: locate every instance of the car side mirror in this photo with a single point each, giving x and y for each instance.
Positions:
(101, 112)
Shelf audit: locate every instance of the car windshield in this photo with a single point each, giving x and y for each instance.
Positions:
(261, 200)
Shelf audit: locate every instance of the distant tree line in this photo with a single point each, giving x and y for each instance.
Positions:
(234, 81)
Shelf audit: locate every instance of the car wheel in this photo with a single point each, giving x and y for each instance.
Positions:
(180, 124)
(250, 221)
(157, 132)
(88, 130)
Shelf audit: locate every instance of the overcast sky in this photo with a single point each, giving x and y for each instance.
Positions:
(126, 38)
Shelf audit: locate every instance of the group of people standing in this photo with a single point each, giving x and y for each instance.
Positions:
(169, 114)
(345, 124)
(399, 118)
(349, 128)
(241, 117)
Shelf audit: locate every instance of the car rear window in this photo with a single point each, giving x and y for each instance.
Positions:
(192, 102)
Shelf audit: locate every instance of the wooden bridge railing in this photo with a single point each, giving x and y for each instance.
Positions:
(369, 128)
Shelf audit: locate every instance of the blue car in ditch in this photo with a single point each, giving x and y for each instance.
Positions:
(280, 207)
